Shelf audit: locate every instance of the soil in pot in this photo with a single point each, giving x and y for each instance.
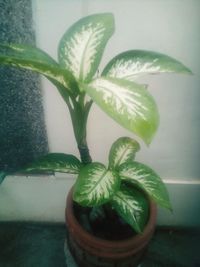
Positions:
(111, 227)
(109, 248)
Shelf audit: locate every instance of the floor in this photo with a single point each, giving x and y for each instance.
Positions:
(42, 245)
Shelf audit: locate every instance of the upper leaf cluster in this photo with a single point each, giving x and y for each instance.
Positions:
(79, 54)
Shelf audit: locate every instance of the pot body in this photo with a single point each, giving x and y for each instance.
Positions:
(91, 251)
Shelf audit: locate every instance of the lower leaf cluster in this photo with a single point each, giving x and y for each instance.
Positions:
(125, 186)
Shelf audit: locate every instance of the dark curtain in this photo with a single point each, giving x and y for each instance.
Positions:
(22, 129)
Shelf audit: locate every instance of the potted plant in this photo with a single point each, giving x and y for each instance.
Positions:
(124, 194)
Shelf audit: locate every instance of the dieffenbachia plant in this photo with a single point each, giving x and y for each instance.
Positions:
(125, 183)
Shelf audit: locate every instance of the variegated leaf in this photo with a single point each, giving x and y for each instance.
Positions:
(27, 52)
(32, 58)
(56, 162)
(95, 185)
(82, 46)
(122, 150)
(131, 64)
(132, 206)
(128, 103)
(144, 177)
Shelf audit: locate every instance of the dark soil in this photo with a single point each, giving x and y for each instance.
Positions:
(111, 227)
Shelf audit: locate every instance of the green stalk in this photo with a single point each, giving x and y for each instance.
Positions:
(79, 114)
(79, 111)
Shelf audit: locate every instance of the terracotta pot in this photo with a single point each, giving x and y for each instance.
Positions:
(91, 251)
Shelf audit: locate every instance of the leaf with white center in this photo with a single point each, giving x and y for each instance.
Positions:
(144, 177)
(95, 185)
(122, 150)
(34, 59)
(82, 46)
(128, 103)
(56, 162)
(132, 206)
(131, 64)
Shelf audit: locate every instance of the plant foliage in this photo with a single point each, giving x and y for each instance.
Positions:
(125, 185)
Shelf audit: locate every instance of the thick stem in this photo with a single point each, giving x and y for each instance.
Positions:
(83, 147)
(79, 115)
(84, 154)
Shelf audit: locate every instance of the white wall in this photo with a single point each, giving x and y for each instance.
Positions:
(170, 27)
(43, 199)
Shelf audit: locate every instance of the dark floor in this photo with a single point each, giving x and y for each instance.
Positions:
(42, 245)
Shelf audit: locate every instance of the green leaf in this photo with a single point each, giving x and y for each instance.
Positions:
(34, 59)
(131, 64)
(2, 176)
(27, 52)
(144, 177)
(56, 162)
(82, 46)
(95, 185)
(132, 206)
(122, 150)
(128, 103)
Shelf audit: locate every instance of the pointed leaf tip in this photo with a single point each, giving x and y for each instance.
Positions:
(81, 47)
(55, 162)
(133, 63)
(141, 175)
(132, 206)
(122, 150)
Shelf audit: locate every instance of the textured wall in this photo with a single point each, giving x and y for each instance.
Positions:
(22, 131)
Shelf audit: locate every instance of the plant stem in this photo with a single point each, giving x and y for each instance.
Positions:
(84, 154)
(79, 114)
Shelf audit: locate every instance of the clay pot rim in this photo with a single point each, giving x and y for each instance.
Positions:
(140, 240)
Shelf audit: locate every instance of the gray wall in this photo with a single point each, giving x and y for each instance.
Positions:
(22, 131)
